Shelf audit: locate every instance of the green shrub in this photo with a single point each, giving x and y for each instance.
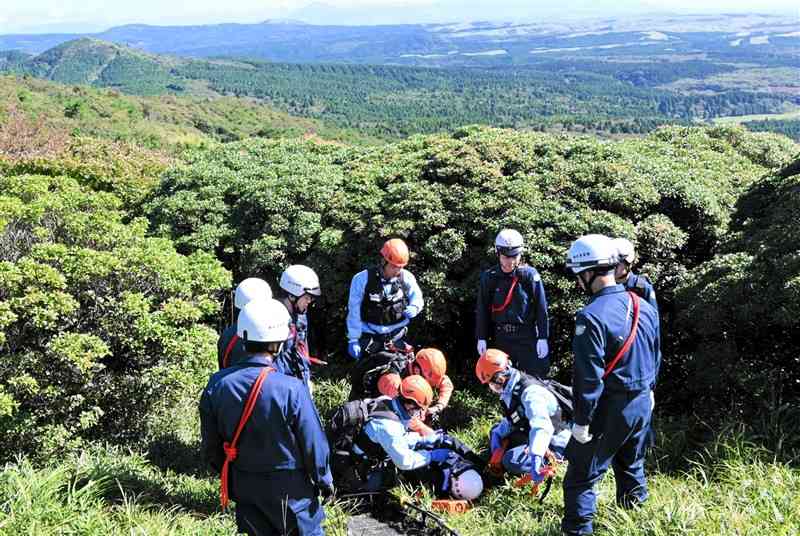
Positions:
(99, 325)
(739, 311)
(260, 205)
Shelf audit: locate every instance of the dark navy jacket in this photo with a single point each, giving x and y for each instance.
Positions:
(643, 287)
(237, 352)
(284, 431)
(528, 304)
(600, 330)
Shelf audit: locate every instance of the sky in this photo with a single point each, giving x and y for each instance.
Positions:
(37, 16)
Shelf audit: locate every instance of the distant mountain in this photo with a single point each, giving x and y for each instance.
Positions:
(100, 63)
(533, 39)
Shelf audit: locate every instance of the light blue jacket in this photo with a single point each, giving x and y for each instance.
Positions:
(398, 442)
(539, 405)
(356, 327)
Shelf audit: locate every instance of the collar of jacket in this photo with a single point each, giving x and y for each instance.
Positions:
(611, 289)
(257, 359)
(508, 389)
(398, 408)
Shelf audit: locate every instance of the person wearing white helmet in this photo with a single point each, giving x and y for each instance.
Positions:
(261, 431)
(625, 276)
(300, 288)
(617, 359)
(229, 347)
(511, 310)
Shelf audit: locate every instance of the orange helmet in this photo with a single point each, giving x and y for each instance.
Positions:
(432, 364)
(490, 363)
(395, 251)
(417, 389)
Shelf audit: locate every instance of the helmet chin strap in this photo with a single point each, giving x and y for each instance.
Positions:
(587, 285)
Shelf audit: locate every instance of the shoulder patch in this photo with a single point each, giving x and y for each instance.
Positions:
(537, 277)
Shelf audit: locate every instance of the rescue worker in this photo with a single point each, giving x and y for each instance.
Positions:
(617, 359)
(533, 420)
(630, 280)
(229, 347)
(387, 433)
(431, 364)
(512, 308)
(280, 448)
(300, 286)
(383, 299)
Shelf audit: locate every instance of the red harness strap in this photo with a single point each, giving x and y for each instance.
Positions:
(228, 349)
(231, 452)
(501, 308)
(631, 336)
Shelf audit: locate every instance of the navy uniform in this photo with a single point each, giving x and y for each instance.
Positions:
(617, 409)
(515, 319)
(282, 452)
(226, 345)
(643, 287)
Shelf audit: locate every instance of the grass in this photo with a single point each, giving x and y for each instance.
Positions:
(730, 487)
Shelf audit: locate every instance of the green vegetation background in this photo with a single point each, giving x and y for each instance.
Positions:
(122, 231)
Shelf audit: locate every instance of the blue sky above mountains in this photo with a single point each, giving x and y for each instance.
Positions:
(36, 16)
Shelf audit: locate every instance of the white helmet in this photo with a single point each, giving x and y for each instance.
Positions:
(250, 289)
(263, 321)
(625, 250)
(509, 243)
(298, 280)
(592, 251)
(468, 485)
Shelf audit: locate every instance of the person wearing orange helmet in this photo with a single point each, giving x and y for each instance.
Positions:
(534, 419)
(383, 300)
(435, 458)
(429, 363)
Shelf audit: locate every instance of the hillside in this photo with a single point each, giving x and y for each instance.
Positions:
(164, 121)
(394, 101)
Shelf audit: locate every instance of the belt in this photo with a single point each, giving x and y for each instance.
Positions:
(513, 329)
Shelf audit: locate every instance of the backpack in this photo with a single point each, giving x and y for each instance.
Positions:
(347, 421)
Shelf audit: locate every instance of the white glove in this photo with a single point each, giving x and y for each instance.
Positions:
(542, 349)
(481, 346)
(581, 433)
(652, 401)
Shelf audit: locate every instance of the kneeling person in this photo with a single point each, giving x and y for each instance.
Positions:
(533, 420)
(273, 441)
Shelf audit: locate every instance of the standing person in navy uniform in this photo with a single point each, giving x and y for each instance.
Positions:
(300, 286)
(512, 308)
(617, 358)
(626, 277)
(262, 432)
(229, 348)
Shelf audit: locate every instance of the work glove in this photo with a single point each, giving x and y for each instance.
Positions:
(536, 468)
(354, 349)
(410, 312)
(581, 433)
(652, 401)
(481, 346)
(542, 349)
(439, 455)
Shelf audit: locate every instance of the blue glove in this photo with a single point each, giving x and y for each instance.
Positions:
(409, 313)
(354, 349)
(536, 466)
(439, 455)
